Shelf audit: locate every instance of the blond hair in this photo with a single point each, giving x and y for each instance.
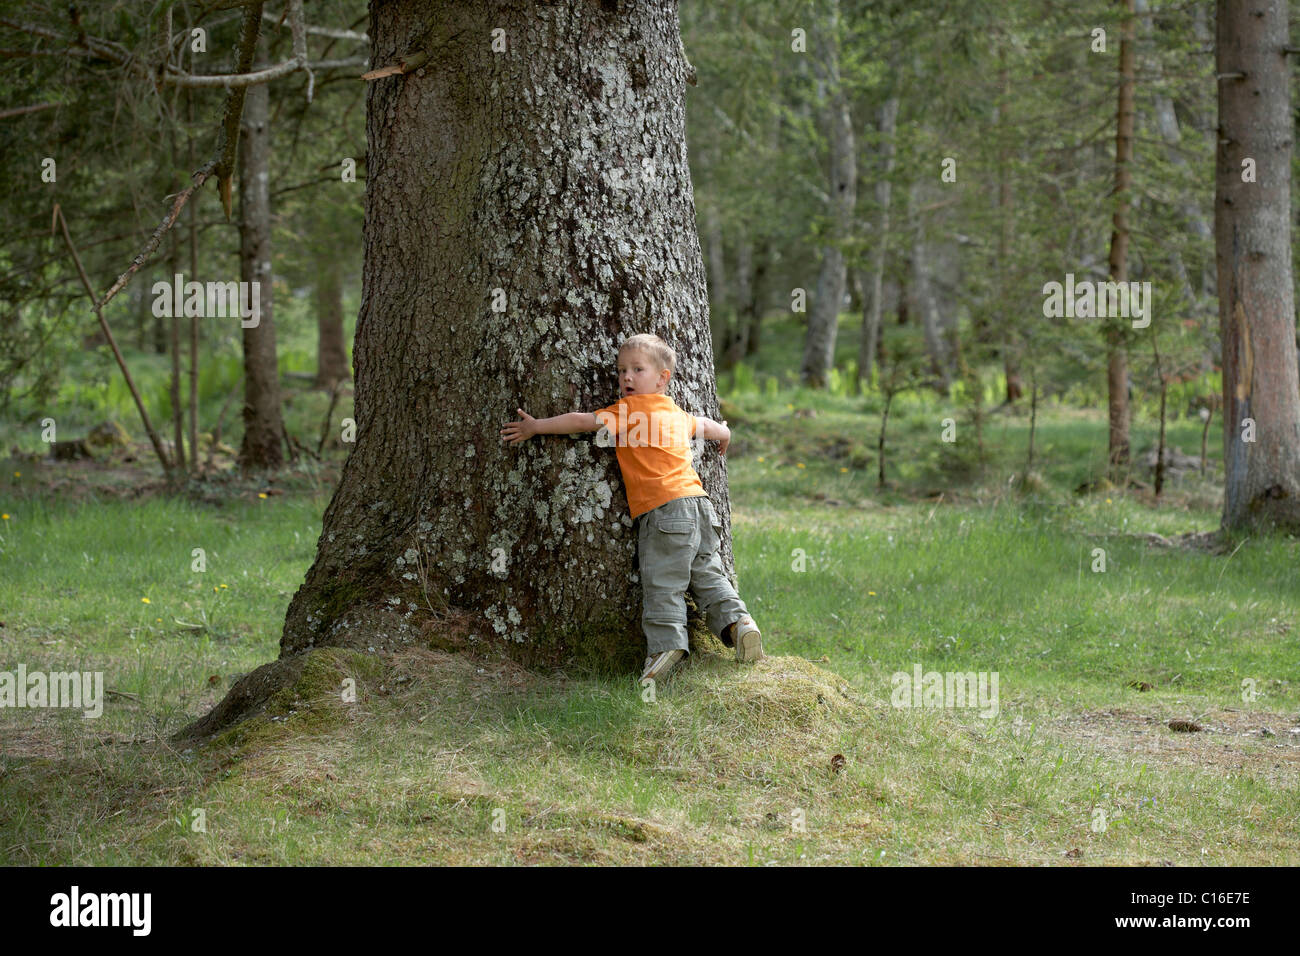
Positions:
(658, 350)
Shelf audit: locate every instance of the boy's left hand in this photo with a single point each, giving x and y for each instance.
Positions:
(525, 428)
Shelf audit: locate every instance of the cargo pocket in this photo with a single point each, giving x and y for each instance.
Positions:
(675, 525)
(715, 525)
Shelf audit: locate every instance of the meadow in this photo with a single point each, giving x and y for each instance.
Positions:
(455, 757)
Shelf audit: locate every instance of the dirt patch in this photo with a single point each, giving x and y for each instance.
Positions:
(1264, 743)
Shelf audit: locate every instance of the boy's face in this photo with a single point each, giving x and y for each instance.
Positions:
(637, 375)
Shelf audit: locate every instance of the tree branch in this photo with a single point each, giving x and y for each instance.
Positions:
(20, 110)
(108, 334)
(326, 31)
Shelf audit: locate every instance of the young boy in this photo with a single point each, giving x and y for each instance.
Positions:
(678, 530)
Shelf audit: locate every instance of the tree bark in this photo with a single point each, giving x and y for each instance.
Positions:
(1117, 364)
(331, 347)
(823, 320)
(525, 211)
(263, 426)
(1252, 227)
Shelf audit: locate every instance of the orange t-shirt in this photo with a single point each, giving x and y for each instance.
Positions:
(652, 440)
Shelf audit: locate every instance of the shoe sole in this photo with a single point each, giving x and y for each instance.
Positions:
(749, 647)
(664, 671)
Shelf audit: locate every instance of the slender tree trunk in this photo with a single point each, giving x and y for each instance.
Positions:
(716, 271)
(823, 320)
(1166, 123)
(758, 290)
(263, 427)
(143, 309)
(331, 348)
(1117, 365)
(873, 298)
(505, 260)
(737, 344)
(1252, 225)
(1008, 330)
(923, 304)
(174, 386)
(194, 319)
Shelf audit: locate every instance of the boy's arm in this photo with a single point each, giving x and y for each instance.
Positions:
(708, 429)
(567, 424)
(527, 426)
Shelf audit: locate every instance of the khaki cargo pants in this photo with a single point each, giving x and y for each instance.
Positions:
(678, 544)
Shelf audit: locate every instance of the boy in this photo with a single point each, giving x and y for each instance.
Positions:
(678, 530)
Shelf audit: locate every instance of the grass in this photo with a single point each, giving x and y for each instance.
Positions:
(450, 758)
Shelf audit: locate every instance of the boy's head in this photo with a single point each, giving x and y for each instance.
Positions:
(645, 364)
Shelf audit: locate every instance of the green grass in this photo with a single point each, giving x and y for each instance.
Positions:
(451, 758)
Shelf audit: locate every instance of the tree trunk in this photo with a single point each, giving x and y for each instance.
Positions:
(1166, 123)
(174, 385)
(716, 273)
(143, 309)
(872, 305)
(1006, 229)
(193, 218)
(507, 255)
(263, 427)
(331, 348)
(758, 291)
(737, 345)
(923, 304)
(1252, 227)
(1117, 365)
(823, 320)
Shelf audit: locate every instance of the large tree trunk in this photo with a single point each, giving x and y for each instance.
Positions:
(1117, 365)
(331, 349)
(514, 235)
(263, 426)
(872, 297)
(823, 320)
(1252, 226)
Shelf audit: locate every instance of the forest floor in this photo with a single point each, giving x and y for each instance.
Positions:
(1105, 630)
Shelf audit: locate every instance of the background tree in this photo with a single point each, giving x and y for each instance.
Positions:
(1252, 226)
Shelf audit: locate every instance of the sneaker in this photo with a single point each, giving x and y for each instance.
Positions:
(749, 642)
(657, 666)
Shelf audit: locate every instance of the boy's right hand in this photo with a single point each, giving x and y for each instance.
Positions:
(724, 442)
(525, 428)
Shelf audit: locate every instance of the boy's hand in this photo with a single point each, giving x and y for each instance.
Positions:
(515, 432)
(725, 441)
